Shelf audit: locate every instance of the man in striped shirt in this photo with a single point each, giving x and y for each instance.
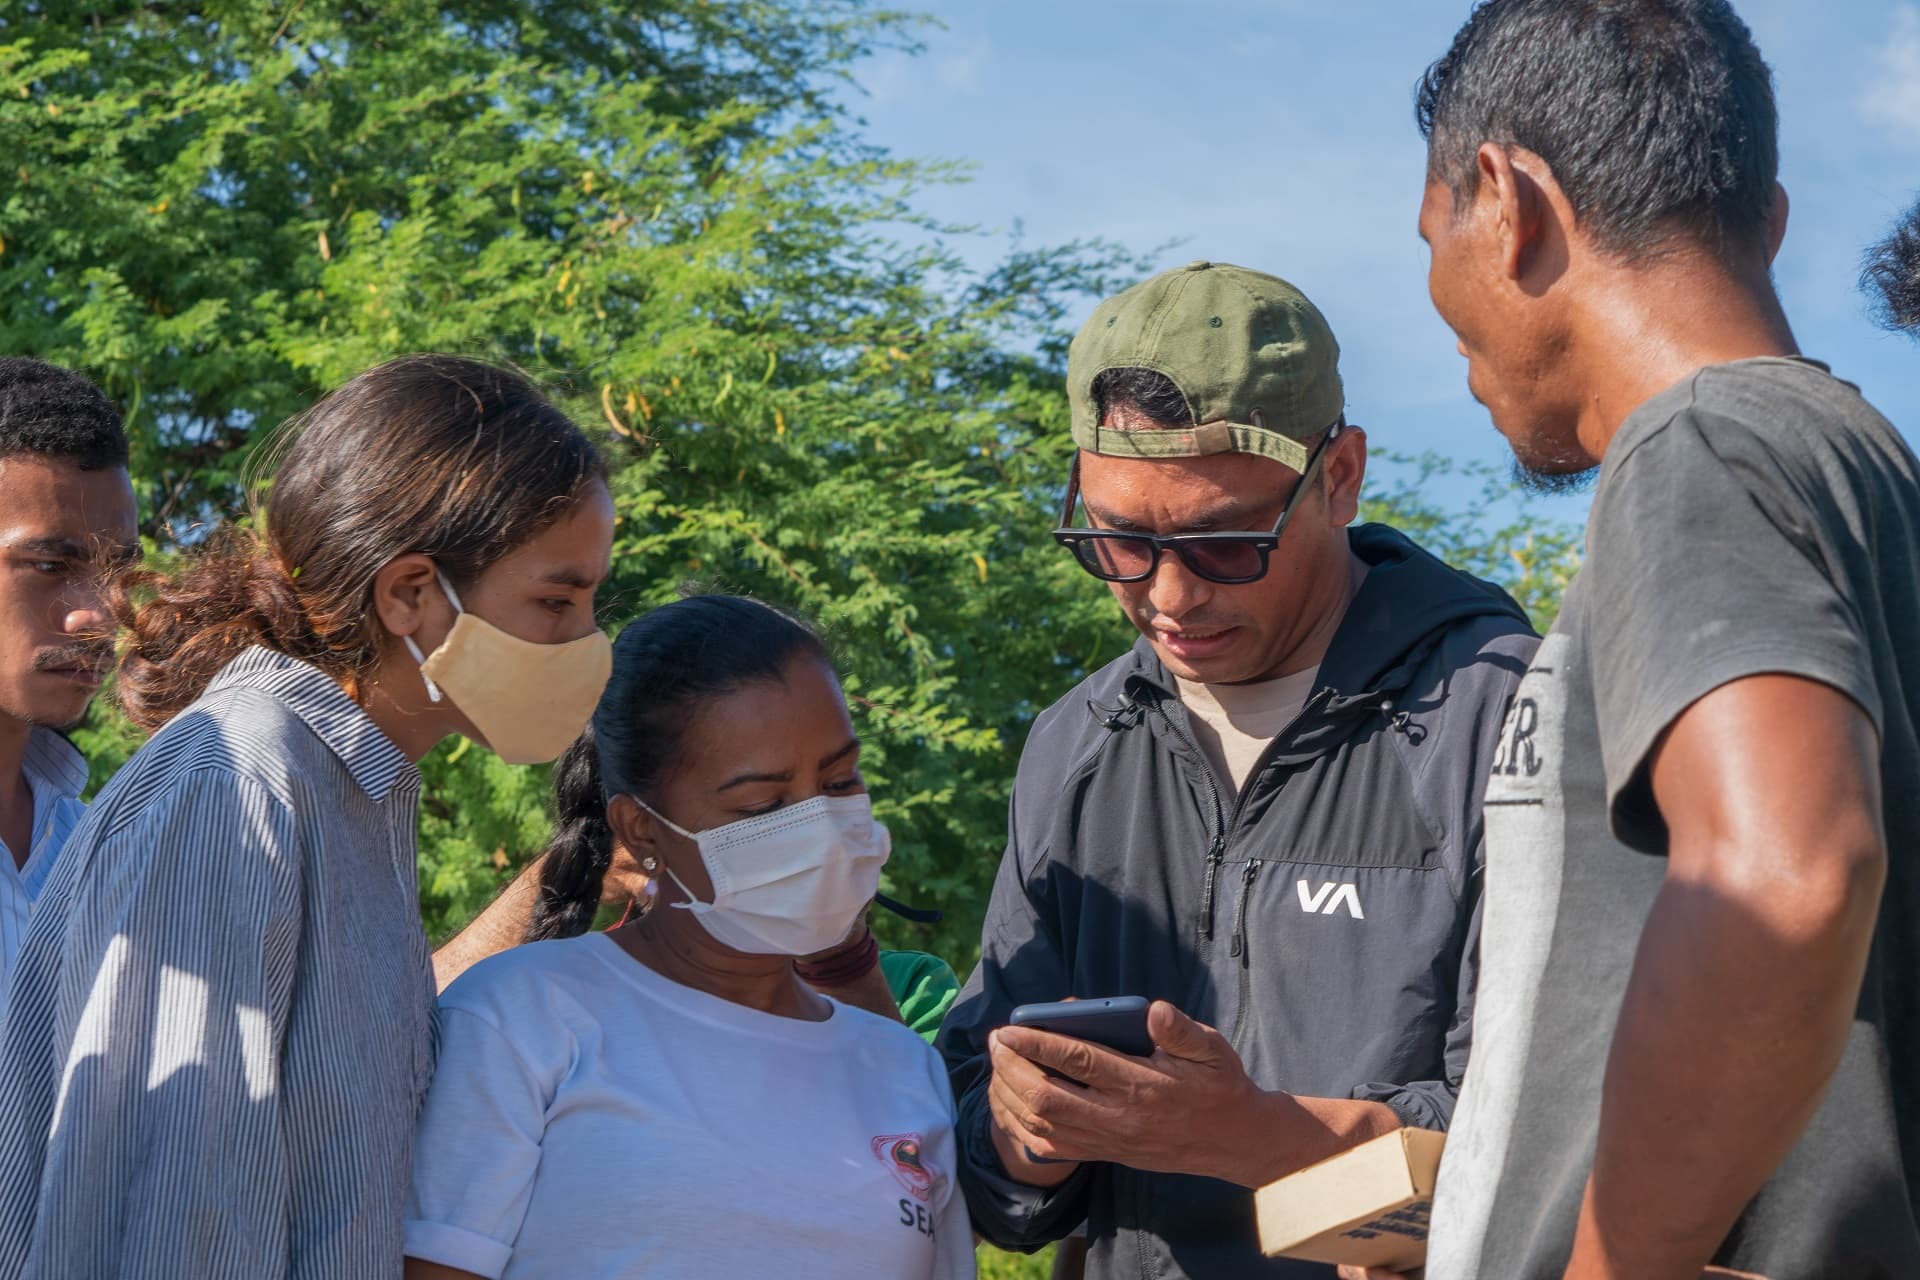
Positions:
(66, 517)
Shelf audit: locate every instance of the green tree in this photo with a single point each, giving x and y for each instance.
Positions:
(221, 210)
(1494, 533)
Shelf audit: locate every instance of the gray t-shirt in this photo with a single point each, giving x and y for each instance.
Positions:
(1759, 517)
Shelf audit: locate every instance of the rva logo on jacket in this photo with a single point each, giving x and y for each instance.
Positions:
(1329, 898)
(902, 1154)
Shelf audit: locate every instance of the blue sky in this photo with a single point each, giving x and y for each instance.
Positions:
(1279, 134)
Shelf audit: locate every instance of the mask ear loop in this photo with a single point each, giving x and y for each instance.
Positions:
(420, 660)
(433, 690)
(653, 889)
(691, 901)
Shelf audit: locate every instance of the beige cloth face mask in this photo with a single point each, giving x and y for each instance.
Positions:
(529, 701)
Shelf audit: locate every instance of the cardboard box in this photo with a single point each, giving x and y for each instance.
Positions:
(1365, 1207)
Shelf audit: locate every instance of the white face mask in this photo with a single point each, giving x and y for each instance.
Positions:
(528, 700)
(790, 882)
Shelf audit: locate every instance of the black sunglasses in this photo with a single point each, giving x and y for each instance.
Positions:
(1113, 555)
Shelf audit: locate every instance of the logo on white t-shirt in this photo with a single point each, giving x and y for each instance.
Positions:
(903, 1155)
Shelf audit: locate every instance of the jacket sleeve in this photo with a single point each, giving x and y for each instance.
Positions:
(1021, 961)
(167, 1154)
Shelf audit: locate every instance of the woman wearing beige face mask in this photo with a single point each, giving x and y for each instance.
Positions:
(220, 1028)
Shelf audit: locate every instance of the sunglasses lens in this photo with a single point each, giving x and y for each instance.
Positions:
(1224, 561)
(1115, 559)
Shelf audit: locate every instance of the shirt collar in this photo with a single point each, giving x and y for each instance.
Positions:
(374, 762)
(55, 764)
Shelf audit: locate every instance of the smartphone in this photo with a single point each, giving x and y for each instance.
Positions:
(1119, 1023)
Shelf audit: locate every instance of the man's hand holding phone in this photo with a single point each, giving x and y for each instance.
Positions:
(1187, 1107)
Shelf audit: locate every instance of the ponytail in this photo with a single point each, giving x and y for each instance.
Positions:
(179, 630)
(574, 863)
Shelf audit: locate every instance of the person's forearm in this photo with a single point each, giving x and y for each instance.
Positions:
(1285, 1134)
(1735, 1017)
(502, 925)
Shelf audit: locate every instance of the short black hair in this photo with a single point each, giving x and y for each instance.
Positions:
(1892, 275)
(1148, 392)
(55, 413)
(1656, 116)
(1158, 399)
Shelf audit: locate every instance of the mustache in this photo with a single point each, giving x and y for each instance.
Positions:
(95, 654)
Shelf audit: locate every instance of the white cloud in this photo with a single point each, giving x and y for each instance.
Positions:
(1892, 96)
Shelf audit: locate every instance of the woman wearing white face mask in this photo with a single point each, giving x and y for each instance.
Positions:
(220, 1026)
(670, 1099)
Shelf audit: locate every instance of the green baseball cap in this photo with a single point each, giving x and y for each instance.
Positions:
(1254, 358)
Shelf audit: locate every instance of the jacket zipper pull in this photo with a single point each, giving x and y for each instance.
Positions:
(1239, 947)
(1216, 854)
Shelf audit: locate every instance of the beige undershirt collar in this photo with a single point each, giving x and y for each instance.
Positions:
(1235, 723)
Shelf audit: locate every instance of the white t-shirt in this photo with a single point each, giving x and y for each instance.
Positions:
(1235, 723)
(590, 1118)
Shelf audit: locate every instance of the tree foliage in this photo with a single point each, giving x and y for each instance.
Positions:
(220, 210)
(1496, 534)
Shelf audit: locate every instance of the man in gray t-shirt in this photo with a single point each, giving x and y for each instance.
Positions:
(1698, 1032)
(1758, 518)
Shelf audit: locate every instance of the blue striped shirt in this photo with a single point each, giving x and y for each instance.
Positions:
(56, 775)
(221, 1022)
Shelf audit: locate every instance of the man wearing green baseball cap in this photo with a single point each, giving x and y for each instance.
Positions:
(1264, 817)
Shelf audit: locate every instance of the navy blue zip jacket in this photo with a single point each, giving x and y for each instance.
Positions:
(1324, 919)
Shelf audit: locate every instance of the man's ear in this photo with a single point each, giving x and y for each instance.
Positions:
(1531, 216)
(407, 597)
(1343, 472)
(1776, 222)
